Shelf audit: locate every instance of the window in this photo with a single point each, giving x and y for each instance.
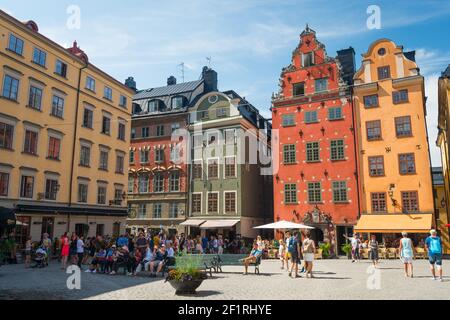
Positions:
(410, 201)
(378, 202)
(337, 150)
(289, 154)
(311, 117)
(145, 132)
(39, 57)
(90, 83)
(143, 183)
(6, 135)
(230, 136)
(213, 202)
(107, 93)
(403, 126)
(371, 101)
(400, 96)
(196, 203)
(121, 131)
(335, 113)
(133, 133)
(204, 114)
(120, 159)
(384, 72)
(26, 187)
(57, 106)
(230, 167)
(314, 192)
(288, 120)
(175, 127)
(157, 211)
(118, 196)
(175, 153)
(30, 145)
(101, 195)
(131, 156)
(88, 118)
(61, 68)
(321, 85)
(142, 211)
(15, 44)
(174, 181)
(130, 184)
(230, 202)
(54, 148)
(144, 156)
(221, 112)
(197, 171)
(213, 169)
(123, 101)
(35, 100)
(103, 162)
(4, 183)
(158, 182)
(340, 191)
(299, 89)
(312, 152)
(376, 166)
(10, 88)
(160, 130)
(407, 163)
(106, 125)
(290, 193)
(373, 130)
(177, 102)
(159, 155)
(153, 106)
(173, 211)
(51, 189)
(85, 156)
(308, 59)
(82, 192)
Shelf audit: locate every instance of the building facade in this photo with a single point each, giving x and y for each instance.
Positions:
(64, 136)
(230, 191)
(440, 204)
(393, 149)
(158, 174)
(316, 182)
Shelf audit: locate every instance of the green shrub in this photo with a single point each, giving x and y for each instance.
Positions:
(325, 249)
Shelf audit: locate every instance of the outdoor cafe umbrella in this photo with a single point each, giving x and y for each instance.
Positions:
(284, 225)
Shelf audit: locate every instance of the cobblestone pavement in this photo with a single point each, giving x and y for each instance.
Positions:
(335, 279)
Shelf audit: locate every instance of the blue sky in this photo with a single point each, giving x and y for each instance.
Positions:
(249, 41)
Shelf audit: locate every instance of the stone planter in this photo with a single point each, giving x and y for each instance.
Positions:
(186, 286)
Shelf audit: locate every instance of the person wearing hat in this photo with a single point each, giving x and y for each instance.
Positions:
(433, 244)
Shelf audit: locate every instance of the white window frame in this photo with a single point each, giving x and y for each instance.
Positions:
(207, 202)
(201, 202)
(225, 165)
(235, 199)
(218, 167)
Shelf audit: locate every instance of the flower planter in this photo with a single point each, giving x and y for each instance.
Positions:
(186, 286)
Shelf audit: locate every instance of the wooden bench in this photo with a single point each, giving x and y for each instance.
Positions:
(236, 260)
(206, 262)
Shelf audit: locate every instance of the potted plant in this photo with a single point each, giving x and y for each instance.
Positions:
(326, 247)
(187, 276)
(347, 248)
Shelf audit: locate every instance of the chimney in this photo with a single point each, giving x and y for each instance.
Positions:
(209, 77)
(130, 83)
(346, 58)
(171, 81)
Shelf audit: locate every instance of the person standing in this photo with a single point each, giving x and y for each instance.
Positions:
(407, 254)
(282, 252)
(308, 248)
(355, 242)
(47, 244)
(80, 251)
(433, 245)
(64, 250)
(373, 250)
(28, 246)
(220, 244)
(73, 248)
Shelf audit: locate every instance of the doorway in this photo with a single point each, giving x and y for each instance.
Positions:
(48, 224)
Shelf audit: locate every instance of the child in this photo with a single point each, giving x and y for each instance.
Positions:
(282, 253)
(28, 246)
(110, 253)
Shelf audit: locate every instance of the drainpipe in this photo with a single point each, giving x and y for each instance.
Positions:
(356, 151)
(74, 144)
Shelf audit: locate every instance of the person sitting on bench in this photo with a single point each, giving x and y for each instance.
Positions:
(158, 260)
(252, 258)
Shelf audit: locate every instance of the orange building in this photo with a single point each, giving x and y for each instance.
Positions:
(316, 182)
(393, 149)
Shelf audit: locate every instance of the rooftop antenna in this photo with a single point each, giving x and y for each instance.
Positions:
(209, 61)
(182, 70)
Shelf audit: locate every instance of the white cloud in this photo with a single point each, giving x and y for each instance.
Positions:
(431, 91)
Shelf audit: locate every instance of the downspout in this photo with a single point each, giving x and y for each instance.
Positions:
(356, 152)
(74, 144)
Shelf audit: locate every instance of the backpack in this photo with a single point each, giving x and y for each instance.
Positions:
(292, 246)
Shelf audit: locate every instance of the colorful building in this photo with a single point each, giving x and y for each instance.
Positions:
(64, 137)
(316, 182)
(158, 175)
(229, 192)
(393, 150)
(441, 217)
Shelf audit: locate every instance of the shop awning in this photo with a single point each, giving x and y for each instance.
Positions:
(192, 223)
(219, 224)
(394, 223)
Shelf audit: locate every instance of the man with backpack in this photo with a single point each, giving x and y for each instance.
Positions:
(294, 252)
(433, 245)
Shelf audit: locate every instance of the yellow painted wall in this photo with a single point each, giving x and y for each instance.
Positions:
(400, 67)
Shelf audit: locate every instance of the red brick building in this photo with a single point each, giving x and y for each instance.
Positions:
(316, 182)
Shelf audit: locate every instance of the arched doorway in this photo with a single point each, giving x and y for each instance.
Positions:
(325, 230)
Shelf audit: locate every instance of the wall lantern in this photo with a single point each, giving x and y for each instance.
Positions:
(323, 131)
(302, 175)
(301, 133)
(326, 173)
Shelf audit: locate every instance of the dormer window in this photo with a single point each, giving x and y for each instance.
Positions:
(177, 102)
(308, 59)
(153, 106)
(299, 89)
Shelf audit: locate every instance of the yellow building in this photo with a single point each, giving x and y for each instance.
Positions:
(64, 137)
(441, 207)
(393, 150)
